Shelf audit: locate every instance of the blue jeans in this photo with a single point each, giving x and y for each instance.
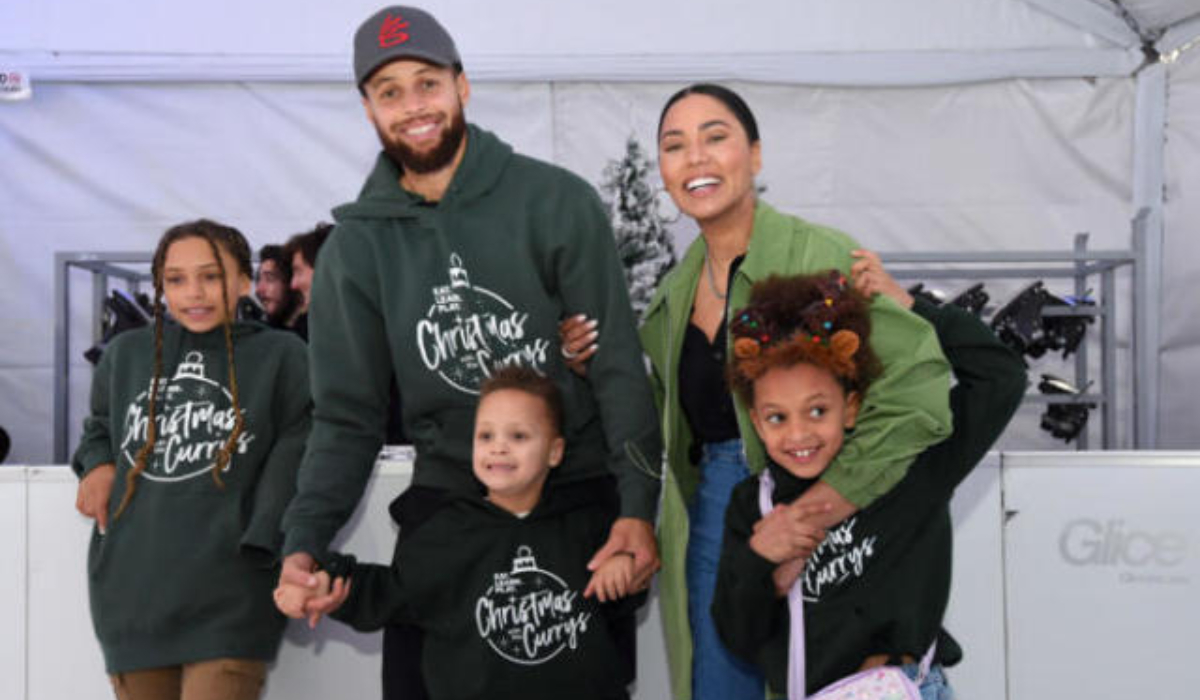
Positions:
(716, 673)
(935, 686)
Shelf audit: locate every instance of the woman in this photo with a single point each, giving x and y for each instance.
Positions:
(709, 154)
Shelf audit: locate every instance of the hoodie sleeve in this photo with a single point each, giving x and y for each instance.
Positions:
(95, 445)
(990, 384)
(349, 370)
(905, 410)
(376, 599)
(292, 410)
(591, 282)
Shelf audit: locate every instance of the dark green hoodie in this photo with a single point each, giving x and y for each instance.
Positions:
(186, 573)
(442, 292)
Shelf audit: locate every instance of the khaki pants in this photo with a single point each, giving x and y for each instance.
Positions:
(217, 679)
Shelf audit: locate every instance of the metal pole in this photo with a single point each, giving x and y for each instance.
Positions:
(1081, 353)
(62, 316)
(1108, 352)
(1149, 137)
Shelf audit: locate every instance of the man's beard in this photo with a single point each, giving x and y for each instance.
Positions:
(426, 161)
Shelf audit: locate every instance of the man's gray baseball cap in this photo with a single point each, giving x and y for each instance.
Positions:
(401, 32)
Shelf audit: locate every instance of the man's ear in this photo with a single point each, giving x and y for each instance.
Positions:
(463, 86)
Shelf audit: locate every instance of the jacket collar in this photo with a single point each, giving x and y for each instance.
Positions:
(761, 258)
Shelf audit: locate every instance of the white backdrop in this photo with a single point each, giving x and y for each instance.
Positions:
(144, 116)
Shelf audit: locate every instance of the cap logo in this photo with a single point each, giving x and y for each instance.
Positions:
(390, 32)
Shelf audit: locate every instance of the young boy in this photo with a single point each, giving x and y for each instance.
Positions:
(876, 587)
(495, 580)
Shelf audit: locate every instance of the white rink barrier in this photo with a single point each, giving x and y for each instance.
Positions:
(1075, 575)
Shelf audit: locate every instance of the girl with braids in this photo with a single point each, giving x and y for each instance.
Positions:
(872, 588)
(187, 461)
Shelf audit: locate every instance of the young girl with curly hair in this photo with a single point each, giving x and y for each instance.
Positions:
(874, 587)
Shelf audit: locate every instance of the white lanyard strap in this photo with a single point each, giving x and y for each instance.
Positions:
(796, 657)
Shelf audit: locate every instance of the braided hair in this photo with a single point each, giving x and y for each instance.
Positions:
(814, 319)
(218, 237)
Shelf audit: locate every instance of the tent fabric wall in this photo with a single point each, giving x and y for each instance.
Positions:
(1005, 165)
(126, 137)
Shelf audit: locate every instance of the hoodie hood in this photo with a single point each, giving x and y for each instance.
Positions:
(382, 197)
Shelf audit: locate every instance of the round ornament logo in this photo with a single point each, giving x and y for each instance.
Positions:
(529, 615)
(468, 330)
(194, 419)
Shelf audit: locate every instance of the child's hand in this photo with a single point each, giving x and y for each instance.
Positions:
(613, 580)
(785, 533)
(94, 491)
(292, 599)
(786, 574)
(326, 600)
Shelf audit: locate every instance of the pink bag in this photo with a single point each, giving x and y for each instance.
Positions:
(881, 683)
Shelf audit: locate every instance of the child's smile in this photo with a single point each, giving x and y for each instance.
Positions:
(801, 413)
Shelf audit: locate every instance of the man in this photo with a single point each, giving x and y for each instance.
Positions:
(460, 256)
(273, 287)
(301, 250)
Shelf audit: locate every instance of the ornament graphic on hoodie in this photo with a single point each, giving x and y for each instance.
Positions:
(470, 330)
(528, 615)
(194, 419)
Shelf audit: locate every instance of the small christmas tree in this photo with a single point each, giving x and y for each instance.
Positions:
(644, 244)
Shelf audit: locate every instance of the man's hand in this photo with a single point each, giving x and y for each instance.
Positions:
(787, 532)
(299, 569)
(291, 599)
(633, 537)
(94, 491)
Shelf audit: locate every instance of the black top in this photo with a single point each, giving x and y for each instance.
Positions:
(500, 597)
(703, 392)
(880, 581)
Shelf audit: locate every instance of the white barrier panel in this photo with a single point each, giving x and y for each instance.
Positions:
(1097, 566)
(976, 613)
(334, 661)
(12, 583)
(1103, 575)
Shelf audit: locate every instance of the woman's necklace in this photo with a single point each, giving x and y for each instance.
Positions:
(712, 278)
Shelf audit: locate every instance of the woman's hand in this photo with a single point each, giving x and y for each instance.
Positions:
(870, 278)
(94, 491)
(578, 336)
